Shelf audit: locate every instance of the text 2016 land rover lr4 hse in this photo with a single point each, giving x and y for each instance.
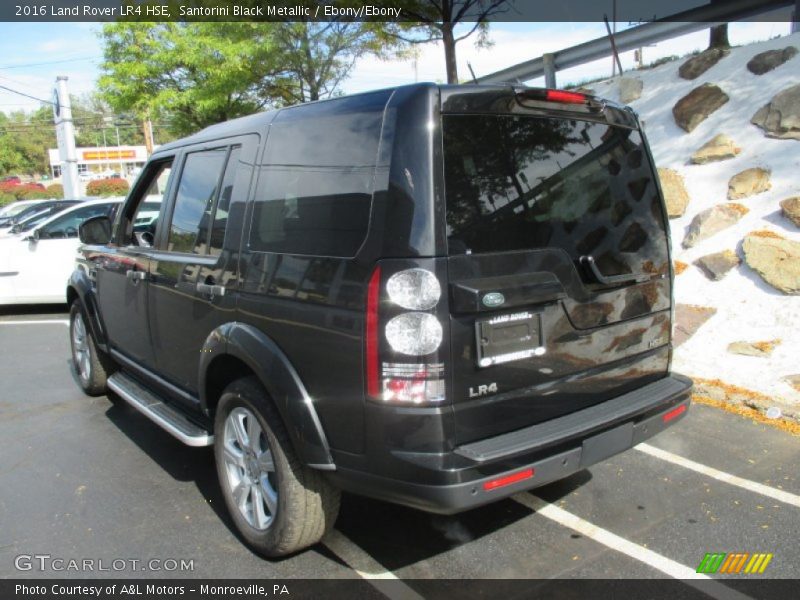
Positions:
(432, 295)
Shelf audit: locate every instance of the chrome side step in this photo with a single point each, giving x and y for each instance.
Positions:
(167, 417)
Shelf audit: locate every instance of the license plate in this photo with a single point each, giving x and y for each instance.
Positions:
(508, 337)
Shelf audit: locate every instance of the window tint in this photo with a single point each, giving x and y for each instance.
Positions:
(224, 203)
(142, 217)
(520, 182)
(66, 226)
(315, 186)
(194, 202)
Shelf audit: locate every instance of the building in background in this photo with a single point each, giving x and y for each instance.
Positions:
(93, 162)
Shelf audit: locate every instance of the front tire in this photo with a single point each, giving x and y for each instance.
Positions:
(279, 505)
(89, 365)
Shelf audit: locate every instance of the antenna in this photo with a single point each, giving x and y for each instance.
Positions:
(474, 79)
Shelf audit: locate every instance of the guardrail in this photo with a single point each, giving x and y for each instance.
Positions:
(635, 37)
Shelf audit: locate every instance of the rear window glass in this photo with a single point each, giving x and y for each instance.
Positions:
(522, 182)
(315, 185)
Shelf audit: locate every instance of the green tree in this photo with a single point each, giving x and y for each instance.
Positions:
(24, 141)
(94, 118)
(197, 74)
(193, 74)
(436, 20)
(26, 137)
(317, 57)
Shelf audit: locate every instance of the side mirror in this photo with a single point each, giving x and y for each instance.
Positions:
(36, 235)
(95, 231)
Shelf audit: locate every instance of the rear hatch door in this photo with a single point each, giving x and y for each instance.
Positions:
(558, 268)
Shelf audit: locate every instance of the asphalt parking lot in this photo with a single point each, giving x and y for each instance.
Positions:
(90, 477)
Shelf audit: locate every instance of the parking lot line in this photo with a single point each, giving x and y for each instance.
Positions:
(635, 551)
(752, 486)
(368, 568)
(37, 322)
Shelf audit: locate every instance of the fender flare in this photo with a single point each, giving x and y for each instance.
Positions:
(282, 382)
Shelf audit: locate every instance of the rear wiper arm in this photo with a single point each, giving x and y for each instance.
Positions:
(589, 262)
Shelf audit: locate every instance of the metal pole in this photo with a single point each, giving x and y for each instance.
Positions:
(549, 64)
(152, 135)
(614, 22)
(65, 133)
(105, 151)
(119, 152)
(613, 45)
(148, 141)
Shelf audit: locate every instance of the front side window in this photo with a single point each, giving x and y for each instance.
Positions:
(140, 218)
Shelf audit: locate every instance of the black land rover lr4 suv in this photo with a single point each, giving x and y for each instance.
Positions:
(432, 295)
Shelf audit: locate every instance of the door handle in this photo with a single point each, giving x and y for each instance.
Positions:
(211, 289)
(136, 276)
(589, 262)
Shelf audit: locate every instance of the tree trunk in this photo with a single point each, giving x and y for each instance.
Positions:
(449, 52)
(718, 37)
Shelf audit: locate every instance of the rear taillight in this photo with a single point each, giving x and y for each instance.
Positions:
(560, 96)
(507, 480)
(403, 337)
(565, 97)
(674, 413)
(415, 289)
(413, 383)
(373, 299)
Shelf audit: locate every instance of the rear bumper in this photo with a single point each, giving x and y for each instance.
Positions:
(529, 457)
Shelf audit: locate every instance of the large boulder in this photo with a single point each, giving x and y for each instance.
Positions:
(790, 207)
(697, 65)
(780, 118)
(720, 147)
(761, 349)
(716, 266)
(694, 107)
(688, 319)
(775, 259)
(764, 62)
(630, 89)
(748, 183)
(793, 380)
(713, 220)
(675, 194)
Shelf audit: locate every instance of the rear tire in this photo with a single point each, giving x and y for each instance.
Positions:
(91, 367)
(279, 505)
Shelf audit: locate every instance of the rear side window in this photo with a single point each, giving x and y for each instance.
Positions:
(194, 201)
(522, 182)
(219, 221)
(315, 184)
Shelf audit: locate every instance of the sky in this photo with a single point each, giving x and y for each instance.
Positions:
(33, 54)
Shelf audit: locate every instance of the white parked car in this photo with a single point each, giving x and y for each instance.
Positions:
(9, 210)
(35, 264)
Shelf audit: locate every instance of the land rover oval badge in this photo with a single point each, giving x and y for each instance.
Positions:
(493, 299)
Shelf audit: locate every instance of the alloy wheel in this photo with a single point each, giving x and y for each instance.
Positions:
(250, 468)
(80, 348)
